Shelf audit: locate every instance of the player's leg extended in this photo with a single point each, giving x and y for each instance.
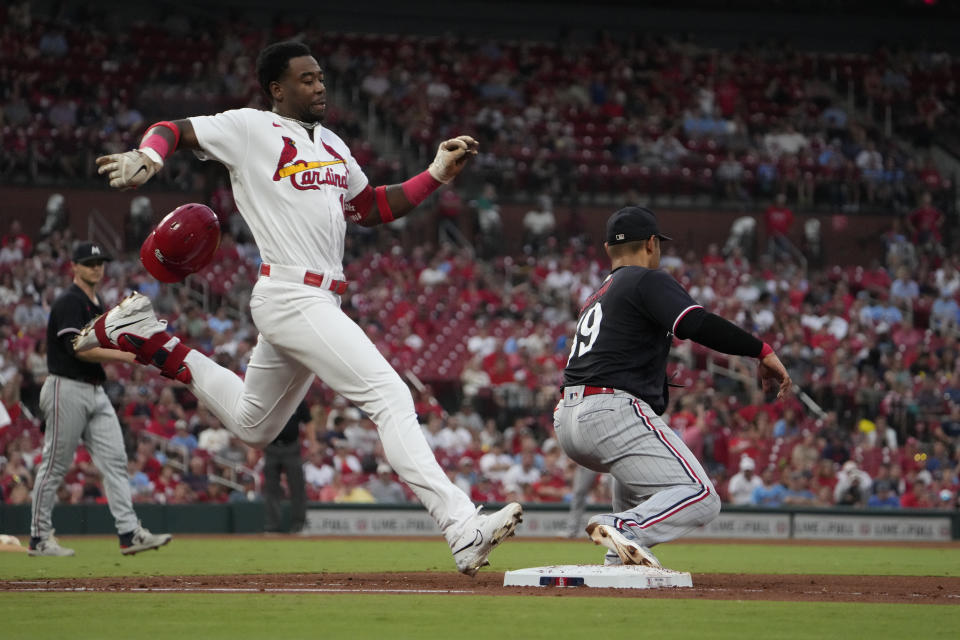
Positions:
(659, 484)
(64, 404)
(104, 440)
(313, 329)
(254, 408)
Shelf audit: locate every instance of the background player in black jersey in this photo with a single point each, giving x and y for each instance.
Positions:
(615, 388)
(76, 409)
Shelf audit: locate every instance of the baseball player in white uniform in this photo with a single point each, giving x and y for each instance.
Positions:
(296, 184)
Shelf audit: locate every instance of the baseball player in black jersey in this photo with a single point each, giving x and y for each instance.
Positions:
(615, 388)
(75, 407)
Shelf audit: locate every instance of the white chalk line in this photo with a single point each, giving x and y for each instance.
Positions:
(236, 590)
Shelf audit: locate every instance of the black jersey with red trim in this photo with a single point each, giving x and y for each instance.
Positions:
(625, 331)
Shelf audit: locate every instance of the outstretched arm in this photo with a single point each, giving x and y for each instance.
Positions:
(718, 334)
(383, 204)
(99, 354)
(131, 169)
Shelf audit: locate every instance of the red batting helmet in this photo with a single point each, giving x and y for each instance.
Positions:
(183, 243)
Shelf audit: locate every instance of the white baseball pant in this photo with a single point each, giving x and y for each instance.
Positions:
(303, 332)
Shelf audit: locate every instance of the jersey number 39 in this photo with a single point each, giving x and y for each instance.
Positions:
(588, 328)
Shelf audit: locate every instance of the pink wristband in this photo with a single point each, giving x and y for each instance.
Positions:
(765, 351)
(158, 143)
(419, 187)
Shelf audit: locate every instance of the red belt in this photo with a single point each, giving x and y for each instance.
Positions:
(314, 279)
(592, 391)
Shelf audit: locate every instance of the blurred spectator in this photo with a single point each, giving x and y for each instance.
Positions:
(771, 493)
(925, 224)
(743, 483)
(383, 487)
(449, 211)
(778, 220)
(488, 221)
(140, 486)
(183, 438)
(219, 323)
(945, 314)
(235, 453)
(354, 491)
(798, 491)
(538, 225)
(853, 486)
(214, 439)
(196, 474)
(465, 475)
(521, 474)
(317, 473)
(16, 242)
(344, 461)
(904, 289)
(361, 433)
(883, 496)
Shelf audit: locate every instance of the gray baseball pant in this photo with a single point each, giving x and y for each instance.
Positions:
(658, 483)
(75, 411)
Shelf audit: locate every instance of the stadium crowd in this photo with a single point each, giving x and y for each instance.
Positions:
(574, 118)
(873, 349)
(483, 336)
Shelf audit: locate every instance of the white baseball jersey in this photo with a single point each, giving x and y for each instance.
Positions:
(291, 191)
(289, 188)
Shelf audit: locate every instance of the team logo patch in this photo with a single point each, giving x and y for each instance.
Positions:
(306, 175)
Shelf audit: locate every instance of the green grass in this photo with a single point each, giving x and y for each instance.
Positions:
(235, 617)
(99, 556)
(128, 616)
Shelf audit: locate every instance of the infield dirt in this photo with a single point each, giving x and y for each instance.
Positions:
(790, 588)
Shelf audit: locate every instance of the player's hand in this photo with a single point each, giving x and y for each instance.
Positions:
(127, 170)
(773, 375)
(452, 156)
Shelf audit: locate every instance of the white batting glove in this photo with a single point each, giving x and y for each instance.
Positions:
(130, 169)
(452, 155)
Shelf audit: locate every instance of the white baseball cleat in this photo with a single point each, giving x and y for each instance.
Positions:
(133, 326)
(614, 533)
(482, 534)
(48, 547)
(143, 540)
(134, 316)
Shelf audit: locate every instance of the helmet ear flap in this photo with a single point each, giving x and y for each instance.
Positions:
(184, 242)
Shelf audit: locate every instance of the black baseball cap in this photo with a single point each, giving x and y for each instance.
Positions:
(631, 224)
(86, 252)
